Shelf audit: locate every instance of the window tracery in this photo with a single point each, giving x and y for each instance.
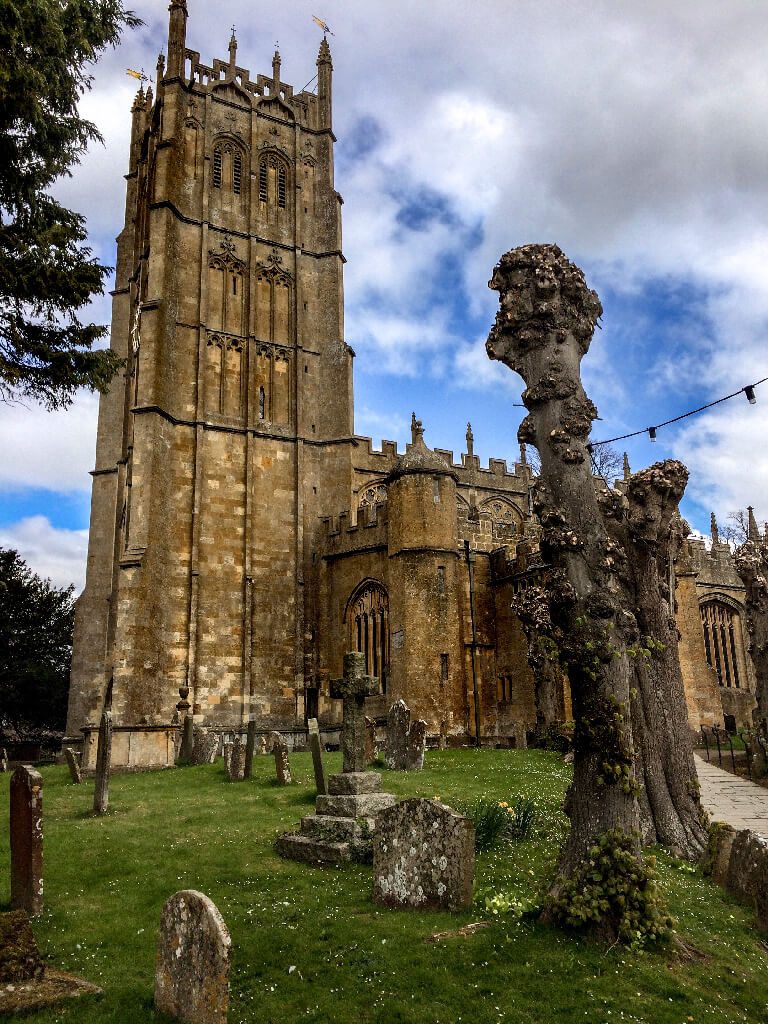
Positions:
(723, 641)
(367, 618)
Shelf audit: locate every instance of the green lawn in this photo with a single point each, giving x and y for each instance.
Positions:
(308, 943)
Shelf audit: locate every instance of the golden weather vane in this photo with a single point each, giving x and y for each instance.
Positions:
(137, 74)
(323, 25)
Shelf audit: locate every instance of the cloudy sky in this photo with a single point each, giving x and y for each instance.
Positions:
(635, 135)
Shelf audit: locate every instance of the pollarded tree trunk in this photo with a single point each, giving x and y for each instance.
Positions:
(752, 566)
(542, 331)
(605, 567)
(659, 712)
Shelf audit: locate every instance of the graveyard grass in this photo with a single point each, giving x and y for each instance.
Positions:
(309, 944)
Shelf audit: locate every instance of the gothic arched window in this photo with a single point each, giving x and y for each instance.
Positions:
(367, 617)
(227, 167)
(722, 640)
(273, 181)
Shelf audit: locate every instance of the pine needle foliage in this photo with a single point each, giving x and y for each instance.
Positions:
(47, 272)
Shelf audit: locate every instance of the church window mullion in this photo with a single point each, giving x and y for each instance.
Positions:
(734, 659)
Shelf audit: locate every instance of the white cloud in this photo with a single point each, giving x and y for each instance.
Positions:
(630, 133)
(50, 450)
(727, 457)
(58, 555)
(375, 424)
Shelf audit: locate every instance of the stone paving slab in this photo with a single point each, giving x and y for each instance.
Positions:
(725, 797)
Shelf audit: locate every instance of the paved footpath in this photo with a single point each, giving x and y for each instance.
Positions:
(726, 797)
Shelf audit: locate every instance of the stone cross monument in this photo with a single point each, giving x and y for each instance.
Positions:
(352, 690)
(345, 821)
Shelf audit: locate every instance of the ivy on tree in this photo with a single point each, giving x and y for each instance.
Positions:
(36, 621)
(47, 272)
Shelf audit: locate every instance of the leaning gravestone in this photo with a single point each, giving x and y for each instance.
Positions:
(423, 856)
(73, 763)
(205, 747)
(316, 747)
(103, 765)
(282, 764)
(345, 818)
(406, 740)
(27, 840)
(193, 960)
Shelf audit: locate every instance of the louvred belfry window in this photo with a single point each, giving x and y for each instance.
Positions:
(273, 182)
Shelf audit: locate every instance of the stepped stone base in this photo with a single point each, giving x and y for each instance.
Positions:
(343, 827)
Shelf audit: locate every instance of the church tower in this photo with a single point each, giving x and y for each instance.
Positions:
(229, 434)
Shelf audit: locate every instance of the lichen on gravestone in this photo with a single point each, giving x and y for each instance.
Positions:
(423, 856)
(193, 960)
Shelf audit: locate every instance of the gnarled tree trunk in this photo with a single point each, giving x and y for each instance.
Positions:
(752, 566)
(605, 588)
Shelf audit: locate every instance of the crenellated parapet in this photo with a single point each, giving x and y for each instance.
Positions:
(344, 534)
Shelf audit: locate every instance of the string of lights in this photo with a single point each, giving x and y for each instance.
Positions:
(748, 391)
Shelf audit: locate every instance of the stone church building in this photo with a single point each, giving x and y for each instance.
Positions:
(242, 537)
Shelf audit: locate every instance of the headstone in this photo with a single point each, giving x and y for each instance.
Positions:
(415, 746)
(250, 746)
(282, 764)
(187, 740)
(27, 840)
(748, 864)
(205, 747)
(228, 758)
(73, 763)
(370, 740)
(352, 690)
(235, 763)
(261, 745)
(193, 960)
(423, 856)
(406, 740)
(3, 759)
(316, 747)
(103, 765)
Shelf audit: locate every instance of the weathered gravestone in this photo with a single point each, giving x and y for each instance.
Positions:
(103, 765)
(193, 960)
(423, 856)
(282, 764)
(187, 740)
(406, 740)
(316, 747)
(345, 820)
(205, 746)
(73, 763)
(3, 759)
(261, 745)
(370, 740)
(250, 746)
(234, 760)
(27, 840)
